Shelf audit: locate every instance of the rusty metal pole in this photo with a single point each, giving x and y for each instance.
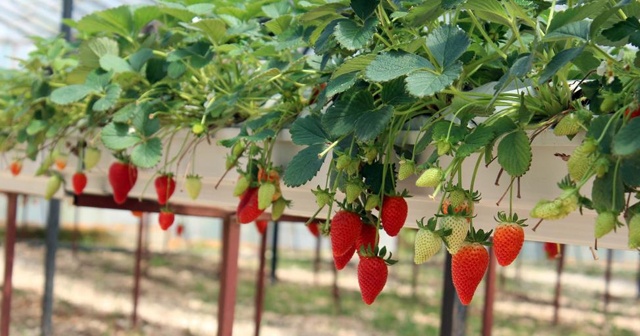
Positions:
(228, 276)
(137, 272)
(558, 290)
(453, 314)
(260, 284)
(317, 260)
(489, 296)
(9, 252)
(607, 281)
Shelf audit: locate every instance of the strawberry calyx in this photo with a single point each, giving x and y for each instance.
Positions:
(377, 252)
(479, 236)
(502, 217)
(431, 226)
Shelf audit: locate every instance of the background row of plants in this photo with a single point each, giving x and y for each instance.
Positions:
(382, 89)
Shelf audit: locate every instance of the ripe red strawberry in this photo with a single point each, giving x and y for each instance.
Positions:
(467, 269)
(261, 225)
(551, 249)
(459, 200)
(632, 114)
(122, 177)
(15, 167)
(345, 229)
(372, 277)
(394, 214)
(79, 181)
(314, 229)
(166, 219)
(180, 230)
(247, 210)
(367, 238)
(341, 261)
(508, 238)
(165, 186)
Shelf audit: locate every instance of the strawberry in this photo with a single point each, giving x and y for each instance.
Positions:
(197, 129)
(367, 240)
(568, 125)
(393, 214)
(278, 207)
(179, 230)
(265, 195)
(370, 154)
(443, 147)
(354, 166)
(459, 227)
(342, 162)
(314, 229)
(247, 210)
(193, 185)
(406, 169)
(632, 114)
(428, 241)
(238, 148)
(467, 269)
(261, 225)
(634, 231)
(241, 185)
(323, 196)
(551, 249)
(373, 201)
(353, 191)
(372, 276)
(122, 177)
(341, 261)
(345, 229)
(508, 238)
(91, 157)
(15, 167)
(430, 178)
(79, 182)
(61, 161)
(460, 201)
(52, 186)
(581, 159)
(165, 186)
(136, 213)
(166, 219)
(605, 223)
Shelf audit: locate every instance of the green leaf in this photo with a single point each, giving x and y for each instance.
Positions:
(598, 126)
(491, 11)
(125, 113)
(447, 44)
(519, 69)
(445, 129)
(355, 64)
(421, 14)
(514, 153)
(214, 29)
(575, 14)
(114, 63)
(394, 93)
(373, 122)
(115, 20)
(36, 126)
(90, 52)
(176, 69)
(279, 25)
(139, 59)
(364, 8)
(627, 29)
(558, 61)
(308, 131)
(70, 94)
(147, 154)
(353, 36)
(426, 83)
(451, 4)
(110, 99)
(629, 168)
(142, 123)
(578, 29)
(116, 136)
(340, 84)
(304, 166)
(627, 141)
(524, 114)
(474, 141)
(393, 64)
(602, 193)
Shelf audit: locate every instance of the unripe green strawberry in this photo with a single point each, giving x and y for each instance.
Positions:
(602, 166)
(91, 157)
(608, 104)
(197, 129)
(354, 167)
(546, 209)
(265, 195)
(241, 186)
(407, 168)
(634, 232)
(370, 154)
(193, 185)
(605, 223)
(277, 208)
(323, 197)
(353, 191)
(426, 245)
(230, 162)
(581, 160)
(430, 178)
(53, 184)
(237, 149)
(443, 147)
(372, 202)
(569, 125)
(459, 227)
(343, 162)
